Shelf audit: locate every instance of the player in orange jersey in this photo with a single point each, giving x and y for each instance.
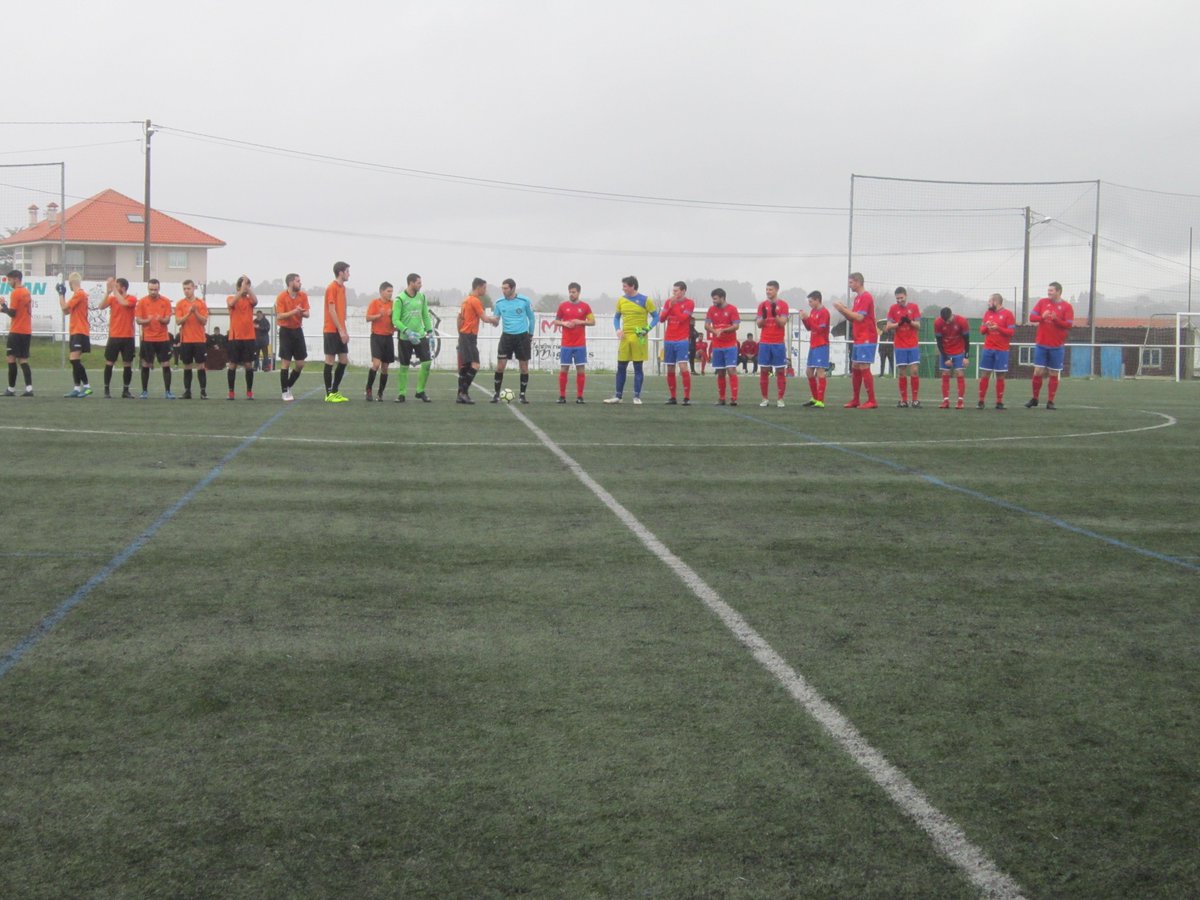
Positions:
(243, 346)
(79, 331)
(191, 315)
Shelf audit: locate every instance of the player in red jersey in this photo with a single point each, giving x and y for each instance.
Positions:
(772, 319)
(997, 329)
(953, 334)
(1054, 317)
(865, 335)
(817, 364)
(679, 312)
(574, 317)
(722, 323)
(904, 319)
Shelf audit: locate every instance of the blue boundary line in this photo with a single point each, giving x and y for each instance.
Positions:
(46, 625)
(978, 495)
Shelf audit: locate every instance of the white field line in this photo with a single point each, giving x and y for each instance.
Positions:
(1168, 421)
(947, 836)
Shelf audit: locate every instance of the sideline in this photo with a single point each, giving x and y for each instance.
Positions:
(947, 836)
(47, 624)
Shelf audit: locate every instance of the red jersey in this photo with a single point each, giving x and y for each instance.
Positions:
(701, 348)
(772, 331)
(723, 317)
(817, 322)
(335, 295)
(191, 331)
(573, 336)
(1000, 337)
(748, 348)
(1052, 333)
(952, 334)
(678, 316)
(241, 318)
(285, 303)
(383, 325)
(20, 301)
(906, 334)
(865, 332)
(77, 307)
(153, 309)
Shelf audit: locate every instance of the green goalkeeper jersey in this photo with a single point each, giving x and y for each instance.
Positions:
(411, 314)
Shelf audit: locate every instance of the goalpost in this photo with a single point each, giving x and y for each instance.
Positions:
(1180, 346)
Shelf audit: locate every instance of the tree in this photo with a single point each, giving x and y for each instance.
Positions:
(549, 303)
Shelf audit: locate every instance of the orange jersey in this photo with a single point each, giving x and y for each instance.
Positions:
(383, 325)
(192, 330)
(335, 295)
(285, 303)
(77, 307)
(148, 308)
(469, 315)
(20, 301)
(120, 317)
(241, 318)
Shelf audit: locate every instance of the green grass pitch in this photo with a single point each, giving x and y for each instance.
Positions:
(397, 650)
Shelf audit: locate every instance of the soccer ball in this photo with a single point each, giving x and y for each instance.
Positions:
(507, 395)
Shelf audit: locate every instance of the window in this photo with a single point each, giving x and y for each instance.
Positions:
(176, 259)
(135, 218)
(1025, 356)
(139, 258)
(1152, 357)
(76, 258)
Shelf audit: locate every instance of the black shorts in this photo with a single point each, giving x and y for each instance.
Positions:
(152, 350)
(242, 352)
(383, 348)
(407, 350)
(515, 346)
(334, 345)
(122, 347)
(18, 345)
(468, 349)
(291, 344)
(81, 343)
(190, 353)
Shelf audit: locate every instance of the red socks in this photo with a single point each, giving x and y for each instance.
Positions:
(687, 385)
(1053, 389)
(671, 381)
(1037, 386)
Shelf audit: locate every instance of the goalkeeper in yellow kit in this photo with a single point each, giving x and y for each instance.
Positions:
(635, 319)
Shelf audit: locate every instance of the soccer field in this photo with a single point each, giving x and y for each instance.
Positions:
(432, 650)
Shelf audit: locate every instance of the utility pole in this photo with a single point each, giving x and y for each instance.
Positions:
(146, 210)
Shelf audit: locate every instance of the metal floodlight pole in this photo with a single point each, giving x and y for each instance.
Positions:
(1190, 268)
(146, 210)
(62, 243)
(1025, 274)
(1092, 281)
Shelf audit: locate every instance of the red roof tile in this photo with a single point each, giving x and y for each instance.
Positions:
(104, 219)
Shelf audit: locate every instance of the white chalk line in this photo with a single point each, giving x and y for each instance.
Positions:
(947, 836)
(1168, 422)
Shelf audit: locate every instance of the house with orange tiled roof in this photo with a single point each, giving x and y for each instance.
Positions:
(104, 237)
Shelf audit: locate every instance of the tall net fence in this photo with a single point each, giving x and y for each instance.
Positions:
(956, 243)
(31, 195)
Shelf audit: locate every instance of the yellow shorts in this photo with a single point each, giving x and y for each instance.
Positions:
(633, 349)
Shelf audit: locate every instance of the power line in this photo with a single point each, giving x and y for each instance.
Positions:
(501, 184)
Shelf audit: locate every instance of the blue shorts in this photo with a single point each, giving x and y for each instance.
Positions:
(576, 356)
(908, 356)
(993, 360)
(952, 360)
(724, 357)
(818, 357)
(675, 352)
(863, 353)
(1048, 357)
(772, 356)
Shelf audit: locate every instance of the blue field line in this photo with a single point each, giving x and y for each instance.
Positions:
(978, 495)
(44, 627)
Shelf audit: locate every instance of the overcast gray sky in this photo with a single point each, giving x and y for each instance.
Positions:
(751, 102)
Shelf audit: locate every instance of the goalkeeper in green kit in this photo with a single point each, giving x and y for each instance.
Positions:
(410, 315)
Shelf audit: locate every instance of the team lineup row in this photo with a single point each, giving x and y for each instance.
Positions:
(401, 328)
